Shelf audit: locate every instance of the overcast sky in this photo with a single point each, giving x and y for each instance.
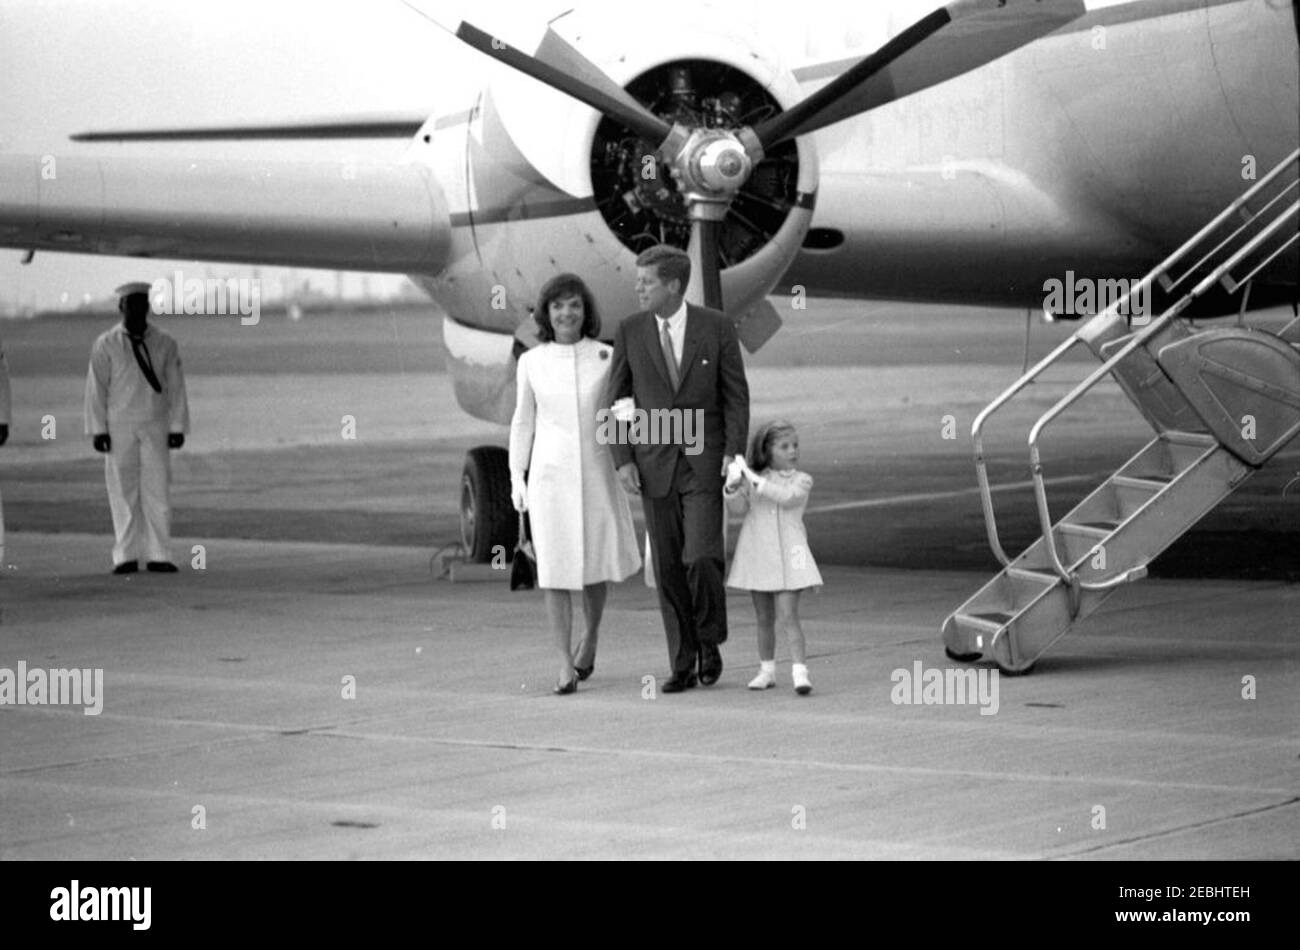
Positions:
(71, 66)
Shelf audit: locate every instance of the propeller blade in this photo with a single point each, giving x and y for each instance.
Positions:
(352, 127)
(802, 115)
(706, 275)
(648, 126)
(758, 326)
(556, 51)
(952, 40)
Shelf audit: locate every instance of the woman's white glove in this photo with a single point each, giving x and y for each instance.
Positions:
(519, 496)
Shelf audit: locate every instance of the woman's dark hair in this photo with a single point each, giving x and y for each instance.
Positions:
(760, 447)
(558, 287)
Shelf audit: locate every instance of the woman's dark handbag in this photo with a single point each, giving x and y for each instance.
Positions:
(523, 568)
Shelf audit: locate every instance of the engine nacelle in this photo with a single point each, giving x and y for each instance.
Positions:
(538, 184)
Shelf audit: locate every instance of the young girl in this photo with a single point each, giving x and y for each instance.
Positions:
(772, 560)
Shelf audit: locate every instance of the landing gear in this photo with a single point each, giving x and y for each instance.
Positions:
(487, 517)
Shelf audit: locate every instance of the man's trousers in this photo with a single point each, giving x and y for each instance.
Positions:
(686, 543)
(138, 473)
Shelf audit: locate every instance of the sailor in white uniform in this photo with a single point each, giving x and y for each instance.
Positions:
(136, 409)
(4, 437)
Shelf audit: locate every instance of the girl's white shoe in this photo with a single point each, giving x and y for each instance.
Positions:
(765, 679)
(802, 685)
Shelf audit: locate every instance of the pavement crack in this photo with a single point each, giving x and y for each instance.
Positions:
(1180, 829)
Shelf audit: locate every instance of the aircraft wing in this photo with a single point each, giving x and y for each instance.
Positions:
(375, 217)
(385, 125)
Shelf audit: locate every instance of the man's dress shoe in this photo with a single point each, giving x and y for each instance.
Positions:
(710, 664)
(127, 567)
(678, 682)
(162, 567)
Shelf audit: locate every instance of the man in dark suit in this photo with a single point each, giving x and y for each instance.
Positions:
(679, 357)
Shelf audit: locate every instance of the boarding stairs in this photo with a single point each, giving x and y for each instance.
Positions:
(1221, 402)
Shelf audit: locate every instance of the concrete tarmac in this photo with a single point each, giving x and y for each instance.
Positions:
(227, 731)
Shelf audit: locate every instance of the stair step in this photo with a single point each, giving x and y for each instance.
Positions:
(991, 621)
(1087, 531)
(1169, 455)
(1202, 439)
(1151, 483)
(1041, 577)
(1104, 526)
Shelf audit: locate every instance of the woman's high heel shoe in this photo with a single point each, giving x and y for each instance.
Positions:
(583, 671)
(564, 689)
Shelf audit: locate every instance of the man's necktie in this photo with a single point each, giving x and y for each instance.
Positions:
(674, 375)
(146, 364)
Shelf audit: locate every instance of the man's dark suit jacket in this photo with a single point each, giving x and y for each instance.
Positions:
(712, 378)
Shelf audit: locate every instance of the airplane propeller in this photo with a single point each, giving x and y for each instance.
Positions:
(711, 165)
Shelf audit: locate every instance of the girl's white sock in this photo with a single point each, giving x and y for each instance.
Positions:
(799, 673)
(766, 677)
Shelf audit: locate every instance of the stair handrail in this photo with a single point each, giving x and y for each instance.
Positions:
(1243, 200)
(977, 439)
(1035, 461)
(1249, 248)
(1110, 313)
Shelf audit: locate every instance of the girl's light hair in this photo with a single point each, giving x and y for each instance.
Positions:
(760, 446)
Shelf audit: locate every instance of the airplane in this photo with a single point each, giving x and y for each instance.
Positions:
(984, 150)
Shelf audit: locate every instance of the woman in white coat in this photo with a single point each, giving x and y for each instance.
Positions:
(563, 476)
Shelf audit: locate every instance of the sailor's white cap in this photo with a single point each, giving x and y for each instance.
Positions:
(135, 287)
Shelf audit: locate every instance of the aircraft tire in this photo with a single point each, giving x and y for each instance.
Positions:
(962, 657)
(487, 517)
